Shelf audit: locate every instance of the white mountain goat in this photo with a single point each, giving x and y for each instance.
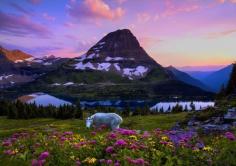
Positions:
(110, 120)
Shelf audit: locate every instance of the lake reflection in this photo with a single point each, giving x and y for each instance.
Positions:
(167, 106)
(155, 106)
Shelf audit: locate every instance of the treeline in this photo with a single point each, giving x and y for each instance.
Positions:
(177, 108)
(19, 110)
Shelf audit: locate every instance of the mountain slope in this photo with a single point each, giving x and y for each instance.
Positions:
(182, 76)
(218, 78)
(199, 75)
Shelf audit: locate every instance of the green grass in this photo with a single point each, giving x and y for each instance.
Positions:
(10, 126)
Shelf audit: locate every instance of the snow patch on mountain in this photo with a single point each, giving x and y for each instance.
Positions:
(47, 63)
(114, 59)
(138, 71)
(5, 76)
(56, 84)
(101, 43)
(69, 83)
(82, 66)
(117, 66)
(103, 66)
(117, 59)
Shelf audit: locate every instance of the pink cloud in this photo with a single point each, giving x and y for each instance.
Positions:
(149, 41)
(143, 17)
(173, 9)
(93, 9)
(21, 26)
(223, 1)
(121, 1)
(48, 17)
(69, 24)
(221, 34)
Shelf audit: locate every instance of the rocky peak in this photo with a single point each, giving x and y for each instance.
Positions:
(14, 55)
(118, 52)
(121, 43)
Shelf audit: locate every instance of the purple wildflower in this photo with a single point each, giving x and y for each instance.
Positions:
(117, 164)
(102, 160)
(8, 152)
(200, 145)
(37, 162)
(43, 155)
(112, 136)
(230, 136)
(6, 143)
(126, 132)
(109, 162)
(78, 163)
(93, 133)
(109, 149)
(120, 142)
(68, 133)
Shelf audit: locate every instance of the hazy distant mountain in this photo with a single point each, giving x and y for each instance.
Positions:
(199, 75)
(115, 67)
(218, 78)
(182, 76)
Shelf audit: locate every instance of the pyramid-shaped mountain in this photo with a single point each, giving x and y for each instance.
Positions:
(119, 52)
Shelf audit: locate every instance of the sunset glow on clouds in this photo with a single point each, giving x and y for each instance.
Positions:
(173, 32)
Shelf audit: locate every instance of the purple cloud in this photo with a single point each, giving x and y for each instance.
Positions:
(34, 2)
(35, 51)
(21, 26)
(93, 9)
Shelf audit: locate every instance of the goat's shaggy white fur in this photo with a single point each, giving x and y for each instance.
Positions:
(110, 120)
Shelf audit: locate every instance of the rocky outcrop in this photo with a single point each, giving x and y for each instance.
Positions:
(215, 124)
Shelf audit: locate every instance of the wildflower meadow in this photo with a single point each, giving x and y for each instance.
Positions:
(117, 148)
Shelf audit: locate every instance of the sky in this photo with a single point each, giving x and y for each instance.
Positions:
(174, 32)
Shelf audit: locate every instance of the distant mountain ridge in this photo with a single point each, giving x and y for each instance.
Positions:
(219, 78)
(18, 67)
(182, 76)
